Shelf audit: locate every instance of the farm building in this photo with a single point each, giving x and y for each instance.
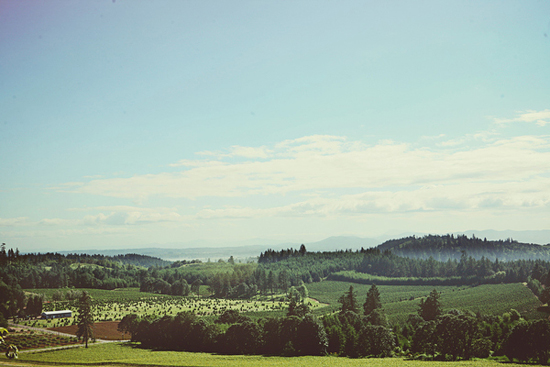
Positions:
(56, 314)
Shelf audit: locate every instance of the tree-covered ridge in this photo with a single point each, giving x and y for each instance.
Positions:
(314, 266)
(11, 256)
(54, 270)
(451, 247)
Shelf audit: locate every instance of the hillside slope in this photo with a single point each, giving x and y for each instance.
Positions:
(447, 247)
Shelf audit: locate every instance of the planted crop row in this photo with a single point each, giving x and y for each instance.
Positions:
(29, 340)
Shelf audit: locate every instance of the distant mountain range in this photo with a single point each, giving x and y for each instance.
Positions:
(202, 251)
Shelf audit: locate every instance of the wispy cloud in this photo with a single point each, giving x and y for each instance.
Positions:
(130, 218)
(11, 222)
(541, 118)
(469, 197)
(240, 151)
(327, 163)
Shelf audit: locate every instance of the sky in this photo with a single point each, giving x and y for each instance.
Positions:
(126, 124)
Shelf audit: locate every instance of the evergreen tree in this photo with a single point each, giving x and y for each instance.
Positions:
(431, 308)
(373, 300)
(349, 301)
(85, 318)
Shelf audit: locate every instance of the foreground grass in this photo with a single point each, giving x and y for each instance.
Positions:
(115, 353)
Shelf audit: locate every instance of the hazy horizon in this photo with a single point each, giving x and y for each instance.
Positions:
(131, 123)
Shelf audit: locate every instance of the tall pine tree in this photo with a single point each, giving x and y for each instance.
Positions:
(373, 300)
(349, 301)
(431, 308)
(85, 319)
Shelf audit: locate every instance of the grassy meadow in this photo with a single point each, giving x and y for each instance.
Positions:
(128, 355)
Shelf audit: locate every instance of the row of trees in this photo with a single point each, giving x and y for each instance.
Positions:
(291, 335)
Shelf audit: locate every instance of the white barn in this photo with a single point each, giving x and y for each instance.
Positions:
(57, 314)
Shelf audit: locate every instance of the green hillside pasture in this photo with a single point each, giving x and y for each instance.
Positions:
(400, 301)
(125, 354)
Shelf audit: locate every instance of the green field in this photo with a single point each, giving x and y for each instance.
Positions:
(126, 354)
(400, 301)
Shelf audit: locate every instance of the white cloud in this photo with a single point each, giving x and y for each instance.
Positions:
(131, 217)
(328, 163)
(469, 197)
(12, 222)
(541, 118)
(55, 222)
(196, 163)
(249, 152)
(240, 151)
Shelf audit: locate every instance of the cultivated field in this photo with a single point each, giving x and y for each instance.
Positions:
(400, 301)
(31, 339)
(126, 354)
(114, 305)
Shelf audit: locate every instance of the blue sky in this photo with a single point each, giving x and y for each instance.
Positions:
(130, 123)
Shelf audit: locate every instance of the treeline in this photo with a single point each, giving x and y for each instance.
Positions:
(11, 256)
(446, 247)
(54, 270)
(292, 335)
(270, 256)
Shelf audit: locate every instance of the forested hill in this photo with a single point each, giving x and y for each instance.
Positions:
(447, 247)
